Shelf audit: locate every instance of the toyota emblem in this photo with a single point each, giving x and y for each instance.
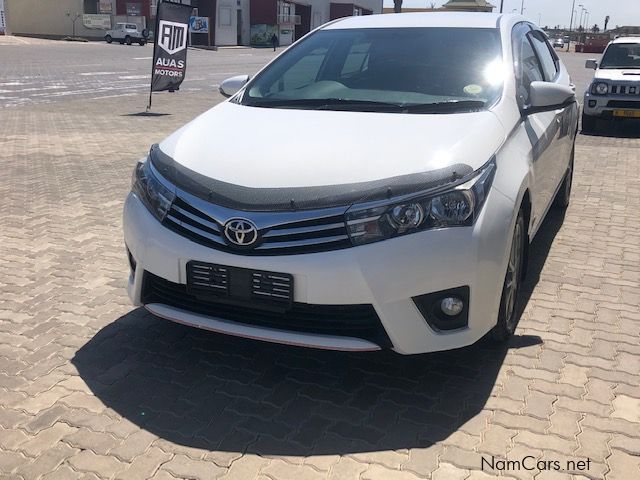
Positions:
(241, 232)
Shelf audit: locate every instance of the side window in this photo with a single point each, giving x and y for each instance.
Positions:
(549, 64)
(526, 64)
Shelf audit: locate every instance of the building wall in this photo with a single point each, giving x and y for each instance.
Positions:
(47, 18)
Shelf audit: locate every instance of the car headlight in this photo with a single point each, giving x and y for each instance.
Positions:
(156, 197)
(457, 207)
(600, 88)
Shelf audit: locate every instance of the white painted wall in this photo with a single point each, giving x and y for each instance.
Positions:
(320, 9)
(226, 23)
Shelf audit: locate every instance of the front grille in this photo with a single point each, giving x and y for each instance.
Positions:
(624, 104)
(625, 89)
(358, 321)
(314, 234)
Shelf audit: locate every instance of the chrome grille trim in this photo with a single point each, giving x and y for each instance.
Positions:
(280, 233)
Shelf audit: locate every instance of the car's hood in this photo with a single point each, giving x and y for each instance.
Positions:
(266, 148)
(629, 75)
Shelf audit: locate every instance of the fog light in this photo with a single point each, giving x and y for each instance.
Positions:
(451, 306)
(592, 103)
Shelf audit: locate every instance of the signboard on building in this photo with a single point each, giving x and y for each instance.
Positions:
(134, 9)
(199, 24)
(105, 7)
(3, 22)
(98, 22)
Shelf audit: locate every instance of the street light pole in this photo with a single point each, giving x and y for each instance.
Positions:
(573, 9)
(586, 21)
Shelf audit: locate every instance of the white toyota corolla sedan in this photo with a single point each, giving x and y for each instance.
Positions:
(375, 186)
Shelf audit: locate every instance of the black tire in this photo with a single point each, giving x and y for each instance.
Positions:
(108, 39)
(508, 315)
(127, 40)
(141, 42)
(563, 197)
(588, 123)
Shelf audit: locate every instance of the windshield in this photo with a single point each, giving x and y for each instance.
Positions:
(621, 55)
(420, 70)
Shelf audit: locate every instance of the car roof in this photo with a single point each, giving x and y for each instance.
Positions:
(428, 19)
(627, 40)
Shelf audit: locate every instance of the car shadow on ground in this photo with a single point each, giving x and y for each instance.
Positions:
(214, 392)
(615, 129)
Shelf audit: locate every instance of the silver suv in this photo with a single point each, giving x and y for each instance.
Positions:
(127, 33)
(615, 90)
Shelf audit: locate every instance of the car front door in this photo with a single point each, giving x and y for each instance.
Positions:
(541, 128)
(566, 118)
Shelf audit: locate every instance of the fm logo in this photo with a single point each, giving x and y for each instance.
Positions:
(173, 36)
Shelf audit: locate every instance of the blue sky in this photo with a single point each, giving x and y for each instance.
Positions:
(558, 12)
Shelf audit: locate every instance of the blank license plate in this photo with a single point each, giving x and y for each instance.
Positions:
(627, 113)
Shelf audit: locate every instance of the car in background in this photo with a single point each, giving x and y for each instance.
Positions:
(127, 33)
(558, 43)
(614, 92)
(428, 150)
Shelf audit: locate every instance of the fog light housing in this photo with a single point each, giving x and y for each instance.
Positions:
(451, 306)
(445, 310)
(592, 103)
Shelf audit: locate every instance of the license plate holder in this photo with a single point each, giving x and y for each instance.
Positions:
(235, 285)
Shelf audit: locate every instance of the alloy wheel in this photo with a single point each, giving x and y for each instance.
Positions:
(513, 276)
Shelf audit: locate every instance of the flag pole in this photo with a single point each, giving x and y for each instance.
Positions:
(155, 45)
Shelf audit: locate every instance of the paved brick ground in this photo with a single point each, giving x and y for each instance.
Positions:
(92, 388)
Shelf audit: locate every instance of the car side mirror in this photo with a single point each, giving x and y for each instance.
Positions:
(232, 85)
(592, 64)
(546, 96)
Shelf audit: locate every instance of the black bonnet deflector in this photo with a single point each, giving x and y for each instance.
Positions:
(239, 197)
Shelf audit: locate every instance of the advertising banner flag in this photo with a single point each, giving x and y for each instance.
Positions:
(170, 48)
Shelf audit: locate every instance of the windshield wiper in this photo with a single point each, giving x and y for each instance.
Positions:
(371, 106)
(446, 107)
(326, 104)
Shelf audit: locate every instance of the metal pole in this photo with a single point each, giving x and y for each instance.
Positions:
(155, 45)
(501, 6)
(586, 22)
(573, 10)
(522, 8)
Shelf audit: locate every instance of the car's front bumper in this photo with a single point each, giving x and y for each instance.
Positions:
(605, 105)
(385, 274)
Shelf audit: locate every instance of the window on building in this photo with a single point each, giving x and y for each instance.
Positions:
(91, 7)
(224, 14)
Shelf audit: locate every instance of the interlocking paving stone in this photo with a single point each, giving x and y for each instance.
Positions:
(82, 369)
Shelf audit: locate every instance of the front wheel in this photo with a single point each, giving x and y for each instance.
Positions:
(563, 196)
(141, 42)
(108, 39)
(508, 314)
